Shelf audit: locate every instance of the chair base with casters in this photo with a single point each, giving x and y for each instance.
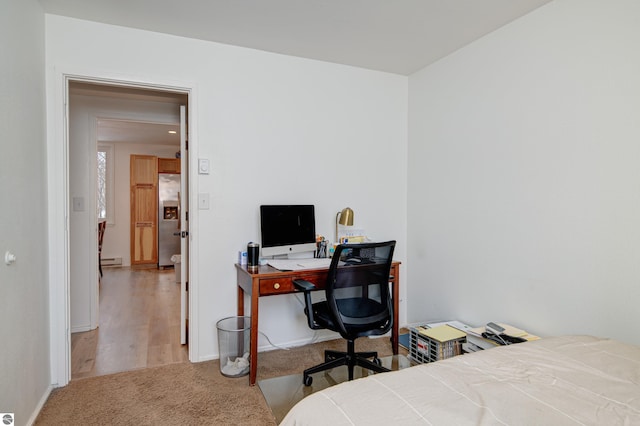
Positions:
(351, 358)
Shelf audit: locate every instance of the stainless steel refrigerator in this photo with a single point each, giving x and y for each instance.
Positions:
(168, 217)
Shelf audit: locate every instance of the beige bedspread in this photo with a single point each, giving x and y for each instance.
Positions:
(569, 380)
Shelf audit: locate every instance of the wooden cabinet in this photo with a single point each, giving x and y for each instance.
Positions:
(169, 165)
(144, 209)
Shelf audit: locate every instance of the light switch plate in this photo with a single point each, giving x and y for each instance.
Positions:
(78, 204)
(203, 166)
(203, 201)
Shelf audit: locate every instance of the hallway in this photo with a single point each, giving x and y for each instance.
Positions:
(139, 324)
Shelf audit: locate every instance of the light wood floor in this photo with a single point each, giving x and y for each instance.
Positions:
(139, 324)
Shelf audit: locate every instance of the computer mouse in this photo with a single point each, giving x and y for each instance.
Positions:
(353, 261)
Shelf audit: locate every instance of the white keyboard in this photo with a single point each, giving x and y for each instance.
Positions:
(298, 264)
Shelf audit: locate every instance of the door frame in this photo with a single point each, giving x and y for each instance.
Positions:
(59, 210)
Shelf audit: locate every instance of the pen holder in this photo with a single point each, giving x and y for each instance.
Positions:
(321, 251)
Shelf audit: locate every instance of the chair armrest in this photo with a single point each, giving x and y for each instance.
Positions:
(307, 287)
(304, 285)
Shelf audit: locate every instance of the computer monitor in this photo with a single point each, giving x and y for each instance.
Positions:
(287, 229)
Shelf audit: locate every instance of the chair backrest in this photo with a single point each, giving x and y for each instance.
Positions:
(357, 289)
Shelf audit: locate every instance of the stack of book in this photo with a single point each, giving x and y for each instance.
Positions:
(477, 342)
(435, 341)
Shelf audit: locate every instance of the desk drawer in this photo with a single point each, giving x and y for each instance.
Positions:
(276, 286)
(285, 284)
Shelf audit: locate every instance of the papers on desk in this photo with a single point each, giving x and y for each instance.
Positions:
(299, 264)
(351, 235)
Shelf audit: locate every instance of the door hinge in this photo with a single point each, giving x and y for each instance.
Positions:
(186, 286)
(186, 216)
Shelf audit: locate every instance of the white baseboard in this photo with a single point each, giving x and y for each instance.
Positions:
(320, 336)
(38, 408)
(80, 328)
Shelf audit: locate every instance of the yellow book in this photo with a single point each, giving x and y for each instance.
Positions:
(443, 333)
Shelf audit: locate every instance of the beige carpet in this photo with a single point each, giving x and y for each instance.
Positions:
(184, 394)
(283, 392)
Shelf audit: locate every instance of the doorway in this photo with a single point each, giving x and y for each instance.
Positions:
(124, 119)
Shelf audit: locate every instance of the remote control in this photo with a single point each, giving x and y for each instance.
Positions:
(494, 328)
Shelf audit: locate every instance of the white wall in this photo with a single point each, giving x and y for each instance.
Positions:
(276, 129)
(524, 198)
(24, 317)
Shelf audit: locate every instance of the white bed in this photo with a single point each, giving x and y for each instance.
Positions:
(569, 380)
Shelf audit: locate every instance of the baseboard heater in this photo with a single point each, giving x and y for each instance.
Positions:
(111, 261)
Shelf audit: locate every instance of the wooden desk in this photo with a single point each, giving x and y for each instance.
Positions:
(268, 281)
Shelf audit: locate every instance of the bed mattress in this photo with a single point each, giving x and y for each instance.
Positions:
(568, 380)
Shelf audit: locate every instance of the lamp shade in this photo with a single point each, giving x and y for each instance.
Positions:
(346, 217)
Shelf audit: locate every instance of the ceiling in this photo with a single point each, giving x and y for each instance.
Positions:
(131, 131)
(396, 36)
(137, 132)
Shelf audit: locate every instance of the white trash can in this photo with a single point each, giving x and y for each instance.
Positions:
(233, 343)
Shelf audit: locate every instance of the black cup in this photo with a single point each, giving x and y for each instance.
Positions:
(253, 255)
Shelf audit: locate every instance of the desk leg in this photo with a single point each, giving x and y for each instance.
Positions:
(240, 311)
(253, 368)
(396, 304)
(253, 349)
(253, 346)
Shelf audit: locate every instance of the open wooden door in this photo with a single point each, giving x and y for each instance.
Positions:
(184, 227)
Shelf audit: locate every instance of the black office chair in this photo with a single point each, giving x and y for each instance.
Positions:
(358, 303)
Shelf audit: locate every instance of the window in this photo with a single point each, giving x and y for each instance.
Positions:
(105, 182)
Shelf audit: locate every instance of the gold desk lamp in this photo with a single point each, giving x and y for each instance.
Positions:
(344, 218)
